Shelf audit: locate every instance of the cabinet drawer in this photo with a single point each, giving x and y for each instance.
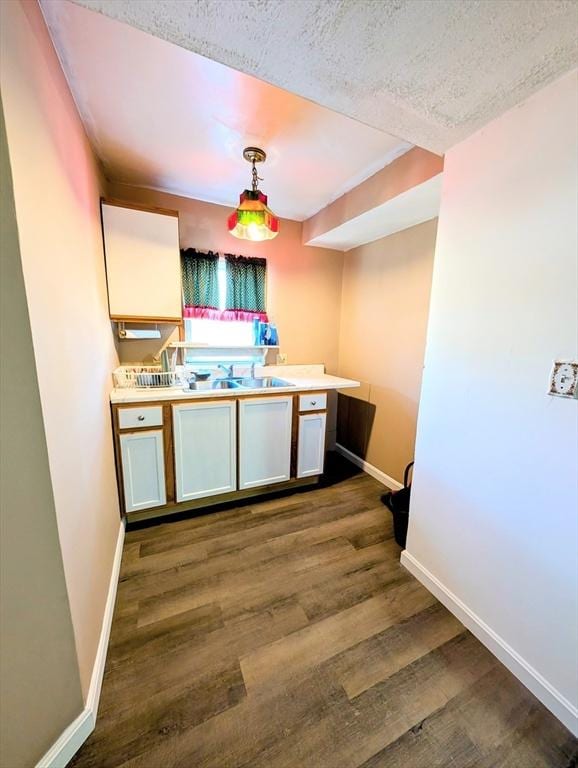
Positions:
(313, 402)
(140, 417)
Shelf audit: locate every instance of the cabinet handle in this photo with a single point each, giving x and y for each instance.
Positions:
(141, 418)
(314, 402)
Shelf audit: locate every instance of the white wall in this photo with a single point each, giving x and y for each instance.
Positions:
(56, 192)
(382, 332)
(494, 506)
(38, 664)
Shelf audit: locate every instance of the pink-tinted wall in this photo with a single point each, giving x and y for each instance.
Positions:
(56, 190)
(303, 283)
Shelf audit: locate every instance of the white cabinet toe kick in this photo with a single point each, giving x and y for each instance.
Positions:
(210, 451)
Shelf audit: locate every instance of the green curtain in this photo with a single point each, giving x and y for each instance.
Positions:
(200, 282)
(246, 285)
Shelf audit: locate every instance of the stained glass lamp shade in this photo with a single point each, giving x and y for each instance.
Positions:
(253, 219)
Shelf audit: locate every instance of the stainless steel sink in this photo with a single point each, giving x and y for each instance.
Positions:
(215, 384)
(264, 382)
(225, 384)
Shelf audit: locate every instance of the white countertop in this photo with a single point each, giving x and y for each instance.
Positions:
(300, 378)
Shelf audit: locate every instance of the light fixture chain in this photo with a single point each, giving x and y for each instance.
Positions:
(253, 220)
(256, 178)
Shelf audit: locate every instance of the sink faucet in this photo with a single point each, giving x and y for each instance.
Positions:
(227, 368)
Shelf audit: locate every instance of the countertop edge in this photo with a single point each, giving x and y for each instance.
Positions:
(306, 384)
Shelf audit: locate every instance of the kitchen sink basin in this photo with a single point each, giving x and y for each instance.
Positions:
(264, 382)
(215, 384)
(224, 384)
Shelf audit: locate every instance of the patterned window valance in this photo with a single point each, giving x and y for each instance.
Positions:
(199, 272)
(246, 287)
(245, 294)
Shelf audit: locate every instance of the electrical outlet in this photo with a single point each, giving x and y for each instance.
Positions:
(564, 379)
(282, 358)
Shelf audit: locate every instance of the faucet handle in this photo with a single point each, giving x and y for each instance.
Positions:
(227, 368)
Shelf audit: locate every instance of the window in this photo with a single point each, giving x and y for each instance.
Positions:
(219, 333)
(222, 295)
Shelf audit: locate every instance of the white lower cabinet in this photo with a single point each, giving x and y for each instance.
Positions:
(264, 441)
(143, 469)
(311, 444)
(205, 449)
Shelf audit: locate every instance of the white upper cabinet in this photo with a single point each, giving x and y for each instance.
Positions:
(143, 268)
(311, 444)
(205, 448)
(264, 441)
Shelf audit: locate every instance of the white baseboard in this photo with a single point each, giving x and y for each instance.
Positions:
(380, 476)
(73, 737)
(563, 709)
(93, 698)
(69, 742)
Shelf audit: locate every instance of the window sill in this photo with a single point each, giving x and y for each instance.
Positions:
(199, 345)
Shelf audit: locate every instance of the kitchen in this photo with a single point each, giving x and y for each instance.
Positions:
(231, 428)
(226, 293)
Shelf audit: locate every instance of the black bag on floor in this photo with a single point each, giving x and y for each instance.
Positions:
(398, 503)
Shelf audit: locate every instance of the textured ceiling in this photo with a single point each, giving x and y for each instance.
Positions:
(163, 117)
(429, 71)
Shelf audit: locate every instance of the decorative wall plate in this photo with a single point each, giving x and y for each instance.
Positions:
(564, 379)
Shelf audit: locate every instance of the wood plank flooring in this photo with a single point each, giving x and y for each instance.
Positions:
(284, 634)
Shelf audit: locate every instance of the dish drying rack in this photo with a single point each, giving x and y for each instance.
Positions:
(145, 377)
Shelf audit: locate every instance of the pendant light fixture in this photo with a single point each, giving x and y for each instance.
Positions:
(253, 220)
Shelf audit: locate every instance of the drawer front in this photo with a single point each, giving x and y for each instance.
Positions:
(128, 418)
(313, 402)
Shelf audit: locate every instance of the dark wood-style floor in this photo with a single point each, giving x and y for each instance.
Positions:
(285, 633)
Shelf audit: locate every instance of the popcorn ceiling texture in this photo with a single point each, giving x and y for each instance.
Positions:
(428, 71)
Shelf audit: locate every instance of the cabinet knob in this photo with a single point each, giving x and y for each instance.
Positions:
(314, 402)
(141, 418)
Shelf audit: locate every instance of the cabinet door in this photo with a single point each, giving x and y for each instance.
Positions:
(143, 470)
(205, 449)
(264, 441)
(311, 444)
(142, 264)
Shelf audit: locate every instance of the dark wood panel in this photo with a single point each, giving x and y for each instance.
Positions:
(285, 633)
